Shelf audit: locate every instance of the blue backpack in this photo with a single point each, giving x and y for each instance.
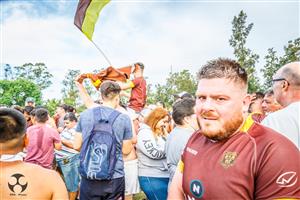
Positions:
(98, 154)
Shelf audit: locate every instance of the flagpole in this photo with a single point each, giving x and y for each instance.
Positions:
(101, 53)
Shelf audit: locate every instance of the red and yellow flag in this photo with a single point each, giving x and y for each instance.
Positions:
(87, 14)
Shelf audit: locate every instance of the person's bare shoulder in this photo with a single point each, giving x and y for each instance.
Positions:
(55, 184)
(30, 181)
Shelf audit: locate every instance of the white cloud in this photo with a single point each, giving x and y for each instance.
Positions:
(161, 36)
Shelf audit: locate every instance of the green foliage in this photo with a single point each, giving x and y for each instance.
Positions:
(271, 66)
(37, 73)
(273, 62)
(15, 92)
(70, 91)
(291, 52)
(245, 57)
(51, 105)
(81, 108)
(176, 83)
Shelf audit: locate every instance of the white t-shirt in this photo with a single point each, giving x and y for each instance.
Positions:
(286, 121)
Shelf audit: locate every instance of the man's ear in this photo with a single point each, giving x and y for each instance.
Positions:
(285, 85)
(117, 100)
(186, 120)
(246, 102)
(26, 140)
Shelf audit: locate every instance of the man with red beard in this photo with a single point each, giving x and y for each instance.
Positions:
(229, 159)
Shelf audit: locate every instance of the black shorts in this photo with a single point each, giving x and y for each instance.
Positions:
(102, 190)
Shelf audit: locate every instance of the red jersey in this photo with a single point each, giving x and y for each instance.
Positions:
(259, 164)
(138, 95)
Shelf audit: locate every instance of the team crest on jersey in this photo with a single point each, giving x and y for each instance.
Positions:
(228, 159)
(196, 188)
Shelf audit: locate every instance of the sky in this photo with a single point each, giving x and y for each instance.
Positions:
(165, 35)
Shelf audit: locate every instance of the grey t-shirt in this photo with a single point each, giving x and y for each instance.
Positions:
(175, 144)
(121, 127)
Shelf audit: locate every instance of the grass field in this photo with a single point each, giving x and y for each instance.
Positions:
(139, 196)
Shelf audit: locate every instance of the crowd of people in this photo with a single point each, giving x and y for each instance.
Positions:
(219, 143)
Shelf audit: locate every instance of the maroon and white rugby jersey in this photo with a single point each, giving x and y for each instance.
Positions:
(256, 163)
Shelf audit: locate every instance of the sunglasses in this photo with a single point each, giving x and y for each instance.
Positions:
(279, 79)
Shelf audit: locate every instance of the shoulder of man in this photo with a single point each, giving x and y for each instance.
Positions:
(40, 172)
(87, 112)
(276, 169)
(276, 114)
(123, 119)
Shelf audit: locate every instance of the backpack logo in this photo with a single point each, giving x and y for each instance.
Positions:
(98, 154)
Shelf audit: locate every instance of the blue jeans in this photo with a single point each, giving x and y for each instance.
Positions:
(69, 168)
(155, 188)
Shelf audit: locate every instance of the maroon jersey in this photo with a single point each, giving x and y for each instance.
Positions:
(259, 164)
(138, 95)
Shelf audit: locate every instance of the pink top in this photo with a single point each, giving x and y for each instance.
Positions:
(40, 149)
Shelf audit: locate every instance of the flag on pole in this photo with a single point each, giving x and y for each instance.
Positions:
(87, 14)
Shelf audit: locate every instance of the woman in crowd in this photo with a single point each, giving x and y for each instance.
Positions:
(153, 171)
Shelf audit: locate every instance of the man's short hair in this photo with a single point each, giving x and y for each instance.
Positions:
(70, 108)
(71, 117)
(28, 109)
(109, 90)
(223, 68)
(269, 93)
(64, 106)
(141, 65)
(183, 108)
(41, 115)
(259, 95)
(12, 124)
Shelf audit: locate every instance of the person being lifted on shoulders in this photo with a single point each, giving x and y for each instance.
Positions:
(138, 86)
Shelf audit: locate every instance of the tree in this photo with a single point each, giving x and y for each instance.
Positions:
(271, 66)
(291, 52)
(7, 72)
(51, 105)
(245, 57)
(176, 83)
(37, 73)
(15, 92)
(273, 62)
(70, 91)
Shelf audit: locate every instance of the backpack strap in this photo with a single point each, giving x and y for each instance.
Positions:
(97, 113)
(113, 116)
(105, 122)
